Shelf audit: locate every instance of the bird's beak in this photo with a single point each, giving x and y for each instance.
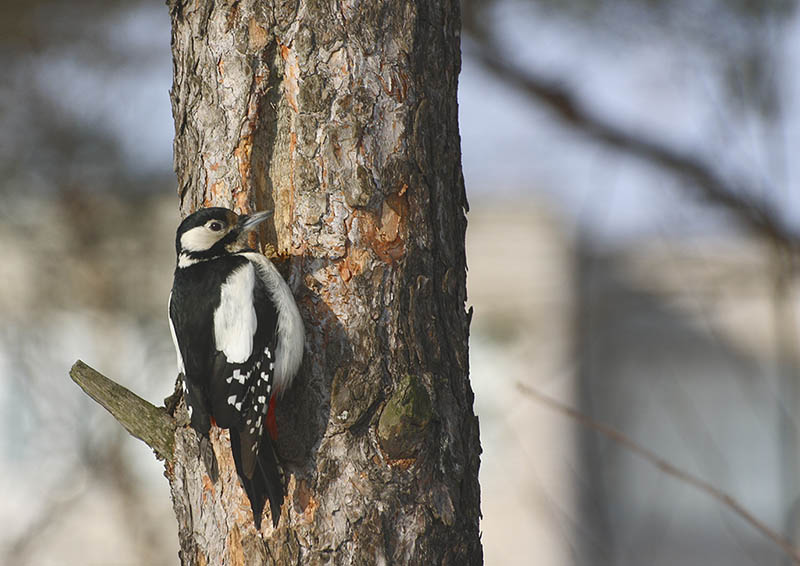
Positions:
(243, 228)
(249, 222)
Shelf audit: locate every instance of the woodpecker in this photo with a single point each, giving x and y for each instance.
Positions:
(239, 342)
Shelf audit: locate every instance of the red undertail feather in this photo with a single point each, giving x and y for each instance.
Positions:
(272, 425)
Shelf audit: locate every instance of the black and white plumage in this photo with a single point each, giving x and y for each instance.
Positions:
(239, 341)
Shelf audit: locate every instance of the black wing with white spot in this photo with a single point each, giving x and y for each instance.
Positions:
(241, 403)
(241, 391)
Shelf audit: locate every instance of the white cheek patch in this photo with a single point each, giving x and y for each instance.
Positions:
(200, 239)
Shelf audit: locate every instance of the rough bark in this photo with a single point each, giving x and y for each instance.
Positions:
(341, 117)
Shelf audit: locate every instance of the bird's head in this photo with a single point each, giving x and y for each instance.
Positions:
(214, 232)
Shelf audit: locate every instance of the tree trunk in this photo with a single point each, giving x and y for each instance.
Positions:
(342, 117)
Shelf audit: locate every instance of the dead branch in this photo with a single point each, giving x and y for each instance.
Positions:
(150, 424)
(620, 438)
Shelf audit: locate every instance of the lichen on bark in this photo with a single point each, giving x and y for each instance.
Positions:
(404, 419)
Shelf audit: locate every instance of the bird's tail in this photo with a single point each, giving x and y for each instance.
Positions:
(262, 479)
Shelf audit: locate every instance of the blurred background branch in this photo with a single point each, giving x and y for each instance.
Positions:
(698, 176)
(664, 466)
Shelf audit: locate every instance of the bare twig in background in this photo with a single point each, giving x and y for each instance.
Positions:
(755, 215)
(669, 469)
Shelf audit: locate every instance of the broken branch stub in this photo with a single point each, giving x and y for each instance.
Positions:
(150, 424)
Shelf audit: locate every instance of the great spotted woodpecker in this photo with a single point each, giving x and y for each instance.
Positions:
(239, 341)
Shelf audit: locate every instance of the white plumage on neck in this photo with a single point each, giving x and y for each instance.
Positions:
(184, 260)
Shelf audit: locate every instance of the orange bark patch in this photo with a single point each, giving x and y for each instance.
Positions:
(241, 204)
(390, 224)
(304, 502)
(311, 509)
(243, 154)
(291, 76)
(214, 193)
(257, 35)
(401, 463)
(235, 549)
(220, 439)
(292, 147)
(353, 264)
(383, 234)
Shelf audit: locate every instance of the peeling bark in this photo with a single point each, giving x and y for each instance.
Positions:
(341, 117)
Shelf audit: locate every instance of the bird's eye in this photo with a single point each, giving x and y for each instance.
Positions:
(215, 226)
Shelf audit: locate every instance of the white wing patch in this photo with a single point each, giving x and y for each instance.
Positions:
(235, 319)
(291, 335)
(181, 369)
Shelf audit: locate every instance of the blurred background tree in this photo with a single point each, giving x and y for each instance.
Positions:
(632, 249)
(87, 224)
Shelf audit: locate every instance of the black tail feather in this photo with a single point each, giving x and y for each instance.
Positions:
(209, 458)
(266, 481)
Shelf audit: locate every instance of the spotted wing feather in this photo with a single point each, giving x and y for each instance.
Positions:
(241, 404)
(238, 387)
